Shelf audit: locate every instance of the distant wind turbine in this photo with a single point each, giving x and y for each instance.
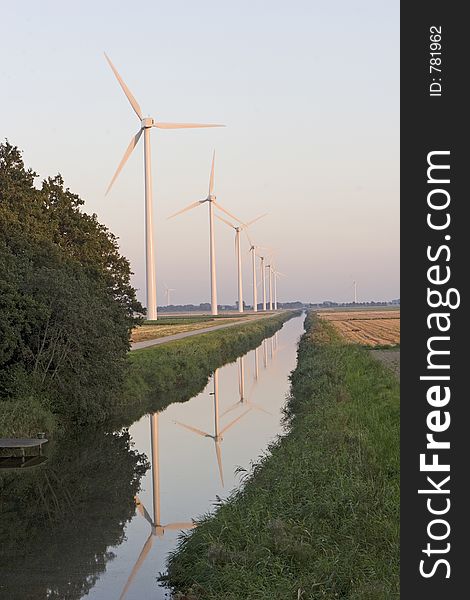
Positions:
(211, 200)
(238, 253)
(146, 124)
(253, 249)
(168, 294)
(355, 291)
(276, 274)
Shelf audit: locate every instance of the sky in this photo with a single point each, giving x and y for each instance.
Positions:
(308, 91)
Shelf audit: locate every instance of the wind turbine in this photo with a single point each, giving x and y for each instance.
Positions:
(238, 253)
(211, 200)
(168, 293)
(146, 124)
(270, 270)
(217, 436)
(156, 528)
(253, 248)
(263, 279)
(355, 291)
(276, 274)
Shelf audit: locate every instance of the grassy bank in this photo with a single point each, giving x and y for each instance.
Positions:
(155, 377)
(175, 372)
(319, 515)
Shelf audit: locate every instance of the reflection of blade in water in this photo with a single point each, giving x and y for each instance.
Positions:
(142, 556)
(157, 529)
(265, 353)
(218, 433)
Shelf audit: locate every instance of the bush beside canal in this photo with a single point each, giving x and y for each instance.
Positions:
(318, 516)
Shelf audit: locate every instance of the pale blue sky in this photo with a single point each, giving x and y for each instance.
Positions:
(309, 92)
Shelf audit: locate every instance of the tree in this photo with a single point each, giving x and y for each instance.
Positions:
(66, 303)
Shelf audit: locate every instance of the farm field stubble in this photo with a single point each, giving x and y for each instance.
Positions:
(370, 328)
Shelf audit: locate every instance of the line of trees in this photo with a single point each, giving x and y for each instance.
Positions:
(66, 304)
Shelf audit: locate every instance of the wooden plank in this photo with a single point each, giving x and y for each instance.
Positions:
(22, 442)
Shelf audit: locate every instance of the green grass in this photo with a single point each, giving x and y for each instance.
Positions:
(318, 516)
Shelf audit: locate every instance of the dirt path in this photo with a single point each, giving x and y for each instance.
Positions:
(390, 358)
(180, 336)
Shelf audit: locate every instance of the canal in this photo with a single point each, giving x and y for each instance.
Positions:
(100, 517)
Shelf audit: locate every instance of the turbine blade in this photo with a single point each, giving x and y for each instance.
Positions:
(143, 511)
(219, 462)
(189, 207)
(126, 90)
(250, 241)
(193, 429)
(226, 222)
(232, 423)
(184, 125)
(133, 143)
(254, 220)
(142, 556)
(226, 212)
(236, 405)
(182, 525)
(211, 179)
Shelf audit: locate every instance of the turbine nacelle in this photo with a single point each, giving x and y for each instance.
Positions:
(147, 122)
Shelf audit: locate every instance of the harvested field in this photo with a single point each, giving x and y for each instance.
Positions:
(150, 331)
(370, 328)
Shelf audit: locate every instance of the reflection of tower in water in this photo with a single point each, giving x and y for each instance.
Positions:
(217, 436)
(156, 526)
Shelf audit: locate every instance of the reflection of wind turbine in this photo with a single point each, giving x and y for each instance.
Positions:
(168, 294)
(218, 433)
(211, 200)
(156, 527)
(238, 253)
(146, 124)
(244, 400)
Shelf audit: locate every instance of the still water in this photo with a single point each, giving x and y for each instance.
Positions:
(100, 520)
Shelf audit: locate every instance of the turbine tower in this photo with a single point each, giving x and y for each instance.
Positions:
(211, 200)
(276, 274)
(270, 270)
(355, 291)
(238, 253)
(168, 293)
(263, 279)
(146, 124)
(253, 248)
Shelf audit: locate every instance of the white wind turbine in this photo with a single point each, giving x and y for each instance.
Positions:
(270, 271)
(238, 254)
(276, 274)
(168, 294)
(146, 124)
(253, 249)
(211, 200)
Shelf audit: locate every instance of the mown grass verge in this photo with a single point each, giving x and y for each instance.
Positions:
(175, 372)
(318, 516)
